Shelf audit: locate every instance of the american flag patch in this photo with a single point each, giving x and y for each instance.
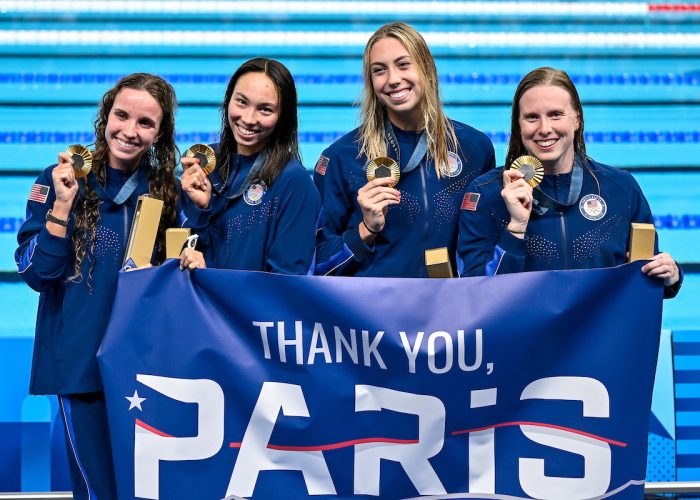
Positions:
(470, 201)
(39, 193)
(321, 165)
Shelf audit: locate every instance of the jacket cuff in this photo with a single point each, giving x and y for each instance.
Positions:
(672, 291)
(54, 246)
(353, 241)
(512, 245)
(192, 216)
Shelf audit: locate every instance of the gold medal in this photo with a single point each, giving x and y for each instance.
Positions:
(82, 160)
(205, 155)
(531, 167)
(383, 167)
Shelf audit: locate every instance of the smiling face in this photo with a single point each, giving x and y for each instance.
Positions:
(396, 82)
(253, 112)
(133, 125)
(548, 125)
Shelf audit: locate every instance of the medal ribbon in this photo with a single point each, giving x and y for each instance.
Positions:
(418, 153)
(124, 193)
(252, 175)
(543, 202)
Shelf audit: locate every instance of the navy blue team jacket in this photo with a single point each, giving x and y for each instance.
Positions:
(426, 218)
(593, 232)
(72, 315)
(266, 228)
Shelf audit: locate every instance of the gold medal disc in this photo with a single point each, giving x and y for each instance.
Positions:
(82, 160)
(383, 167)
(205, 155)
(531, 167)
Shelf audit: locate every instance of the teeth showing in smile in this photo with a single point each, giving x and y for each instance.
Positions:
(547, 143)
(125, 144)
(399, 94)
(245, 131)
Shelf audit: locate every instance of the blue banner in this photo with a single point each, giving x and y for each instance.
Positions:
(232, 384)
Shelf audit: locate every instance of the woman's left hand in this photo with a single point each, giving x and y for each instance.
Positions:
(662, 266)
(192, 259)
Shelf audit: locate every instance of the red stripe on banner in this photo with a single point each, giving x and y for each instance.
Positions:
(541, 424)
(144, 425)
(334, 446)
(674, 7)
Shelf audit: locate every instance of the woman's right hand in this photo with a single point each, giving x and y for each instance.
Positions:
(195, 182)
(192, 259)
(65, 185)
(517, 195)
(374, 199)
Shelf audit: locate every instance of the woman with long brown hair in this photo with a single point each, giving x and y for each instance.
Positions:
(578, 217)
(71, 248)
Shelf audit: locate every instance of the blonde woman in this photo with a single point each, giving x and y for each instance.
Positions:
(373, 228)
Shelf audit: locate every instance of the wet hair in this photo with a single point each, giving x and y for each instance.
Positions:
(282, 145)
(535, 78)
(440, 132)
(159, 162)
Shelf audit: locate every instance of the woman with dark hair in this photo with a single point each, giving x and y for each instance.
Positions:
(258, 209)
(578, 217)
(71, 248)
(376, 227)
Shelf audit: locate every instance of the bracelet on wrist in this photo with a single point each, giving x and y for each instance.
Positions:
(512, 231)
(367, 227)
(50, 217)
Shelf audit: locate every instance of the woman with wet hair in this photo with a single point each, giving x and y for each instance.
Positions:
(71, 248)
(258, 209)
(379, 227)
(578, 217)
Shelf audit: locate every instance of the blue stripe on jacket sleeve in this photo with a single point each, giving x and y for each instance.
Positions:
(334, 261)
(25, 259)
(493, 265)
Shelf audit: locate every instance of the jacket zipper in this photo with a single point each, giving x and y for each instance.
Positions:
(426, 225)
(563, 233)
(126, 226)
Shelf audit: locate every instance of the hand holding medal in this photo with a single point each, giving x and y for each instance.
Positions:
(73, 164)
(198, 161)
(375, 197)
(524, 174)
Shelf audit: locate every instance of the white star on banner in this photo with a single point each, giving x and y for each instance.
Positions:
(135, 401)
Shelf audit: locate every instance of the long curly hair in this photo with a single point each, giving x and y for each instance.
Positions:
(282, 145)
(543, 76)
(159, 162)
(440, 132)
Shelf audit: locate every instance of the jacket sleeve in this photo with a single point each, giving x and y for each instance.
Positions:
(642, 213)
(196, 219)
(339, 248)
(484, 246)
(42, 259)
(292, 248)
